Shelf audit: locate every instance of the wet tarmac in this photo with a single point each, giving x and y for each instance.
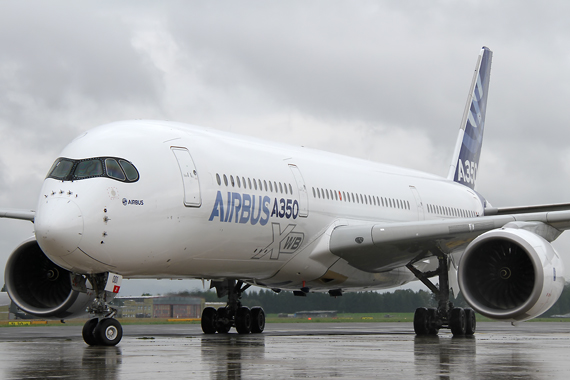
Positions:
(283, 351)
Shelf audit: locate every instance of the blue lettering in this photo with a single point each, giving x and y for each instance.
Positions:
(236, 196)
(275, 211)
(266, 202)
(230, 209)
(218, 209)
(245, 209)
(254, 219)
(289, 209)
(295, 209)
(282, 209)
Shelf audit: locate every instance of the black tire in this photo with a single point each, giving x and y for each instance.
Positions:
(108, 332)
(243, 320)
(457, 321)
(257, 320)
(87, 332)
(433, 328)
(209, 320)
(421, 326)
(470, 322)
(223, 324)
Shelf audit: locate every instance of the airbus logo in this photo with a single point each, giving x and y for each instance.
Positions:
(247, 208)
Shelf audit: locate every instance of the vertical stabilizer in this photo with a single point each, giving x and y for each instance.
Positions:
(465, 162)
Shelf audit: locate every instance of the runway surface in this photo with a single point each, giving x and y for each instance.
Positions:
(284, 351)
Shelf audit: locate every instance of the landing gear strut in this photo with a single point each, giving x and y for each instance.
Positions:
(244, 319)
(428, 321)
(104, 329)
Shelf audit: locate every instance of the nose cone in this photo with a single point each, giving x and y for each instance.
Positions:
(59, 226)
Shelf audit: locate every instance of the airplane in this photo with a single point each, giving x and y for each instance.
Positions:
(156, 199)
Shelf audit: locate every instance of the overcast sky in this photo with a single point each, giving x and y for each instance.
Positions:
(381, 80)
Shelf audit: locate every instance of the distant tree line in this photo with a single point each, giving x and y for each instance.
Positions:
(399, 301)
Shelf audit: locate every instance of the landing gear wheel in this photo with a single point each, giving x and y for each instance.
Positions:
(88, 329)
(108, 332)
(209, 320)
(457, 321)
(257, 320)
(243, 320)
(470, 322)
(421, 325)
(223, 324)
(432, 321)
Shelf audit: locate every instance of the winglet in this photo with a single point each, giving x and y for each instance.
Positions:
(465, 162)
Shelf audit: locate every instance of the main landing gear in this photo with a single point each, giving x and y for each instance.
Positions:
(104, 329)
(428, 321)
(244, 319)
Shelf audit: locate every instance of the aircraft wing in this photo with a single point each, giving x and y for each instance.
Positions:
(378, 247)
(527, 209)
(18, 214)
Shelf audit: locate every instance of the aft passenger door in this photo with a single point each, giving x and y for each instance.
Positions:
(189, 174)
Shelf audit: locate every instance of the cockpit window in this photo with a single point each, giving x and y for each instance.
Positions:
(129, 169)
(114, 170)
(61, 168)
(66, 169)
(90, 168)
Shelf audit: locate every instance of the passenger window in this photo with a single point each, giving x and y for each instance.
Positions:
(225, 180)
(238, 182)
(270, 186)
(218, 179)
(280, 188)
(232, 181)
(255, 184)
(112, 167)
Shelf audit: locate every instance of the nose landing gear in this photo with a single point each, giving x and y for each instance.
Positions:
(244, 319)
(104, 329)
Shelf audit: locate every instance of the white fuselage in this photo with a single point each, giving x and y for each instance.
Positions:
(214, 205)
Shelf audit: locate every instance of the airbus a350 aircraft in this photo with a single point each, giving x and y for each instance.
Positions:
(153, 199)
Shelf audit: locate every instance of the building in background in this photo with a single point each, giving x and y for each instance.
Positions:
(177, 307)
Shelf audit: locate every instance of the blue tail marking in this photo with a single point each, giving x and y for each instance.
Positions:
(468, 149)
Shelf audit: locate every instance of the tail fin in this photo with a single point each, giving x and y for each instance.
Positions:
(465, 162)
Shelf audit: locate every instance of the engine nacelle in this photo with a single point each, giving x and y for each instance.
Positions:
(41, 288)
(511, 274)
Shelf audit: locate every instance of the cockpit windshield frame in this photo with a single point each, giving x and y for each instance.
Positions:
(115, 168)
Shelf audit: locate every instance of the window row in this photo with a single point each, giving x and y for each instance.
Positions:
(67, 169)
(360, 198)
(254, 184)
(451, 211)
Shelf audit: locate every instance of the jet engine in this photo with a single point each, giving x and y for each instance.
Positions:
(41, 288)
(511, 274)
